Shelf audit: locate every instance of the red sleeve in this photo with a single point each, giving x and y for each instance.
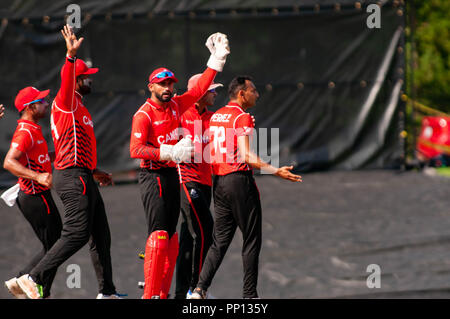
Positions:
(138, 142)
(193, 95)
(243, 125)
(66, 94)
(22, 141)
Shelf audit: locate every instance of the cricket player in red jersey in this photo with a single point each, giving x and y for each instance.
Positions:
(74, 178)
(195, 177)
(155, 140)
(236, 196)
(28, 158)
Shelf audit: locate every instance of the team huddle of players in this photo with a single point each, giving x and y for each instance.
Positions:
(187, 153)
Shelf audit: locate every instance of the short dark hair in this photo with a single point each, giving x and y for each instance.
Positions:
(237, 84)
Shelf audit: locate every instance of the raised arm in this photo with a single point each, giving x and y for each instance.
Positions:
(66, 94)
(217, 45)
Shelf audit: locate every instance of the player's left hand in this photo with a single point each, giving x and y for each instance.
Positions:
(103, 178)
(285, 173)
(217, 44)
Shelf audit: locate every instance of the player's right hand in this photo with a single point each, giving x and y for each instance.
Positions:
(285, 172)
(72, 43)
(180, 152)
(45, 179)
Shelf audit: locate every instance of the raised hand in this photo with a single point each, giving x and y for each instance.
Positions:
(217, 44)
(72, 43)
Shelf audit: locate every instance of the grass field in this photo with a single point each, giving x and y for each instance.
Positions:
(443, 171)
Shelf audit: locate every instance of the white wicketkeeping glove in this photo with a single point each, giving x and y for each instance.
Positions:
(217, 44)
(180, 152)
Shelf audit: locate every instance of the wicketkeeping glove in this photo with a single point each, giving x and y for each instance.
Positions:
(217, 44)
(180, 152)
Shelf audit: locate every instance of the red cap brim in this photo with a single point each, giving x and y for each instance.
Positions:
(91, 71)
(42, 94)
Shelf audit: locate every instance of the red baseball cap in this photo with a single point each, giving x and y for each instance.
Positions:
(27, 96)
(160, 75)
(194, 79)
(82, 68)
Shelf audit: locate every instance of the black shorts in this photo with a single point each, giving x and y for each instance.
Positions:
(160, 193)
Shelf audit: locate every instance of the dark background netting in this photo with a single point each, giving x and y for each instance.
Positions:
(330, 84)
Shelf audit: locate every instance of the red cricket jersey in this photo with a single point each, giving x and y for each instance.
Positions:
(197, 127)
(226, 125)
(153, 125)
(29, 140)
(72, 126)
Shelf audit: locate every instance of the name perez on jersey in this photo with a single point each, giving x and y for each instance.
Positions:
(224, 118)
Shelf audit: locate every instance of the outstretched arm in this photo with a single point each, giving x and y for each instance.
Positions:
(66, 95)
(254, 161)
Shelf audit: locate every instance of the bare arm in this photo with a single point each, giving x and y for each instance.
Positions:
(13, 165)
(254, 161)
(66, 93)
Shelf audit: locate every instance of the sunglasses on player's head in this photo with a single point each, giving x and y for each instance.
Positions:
(163, 74)
(212, 91)
(35, 101)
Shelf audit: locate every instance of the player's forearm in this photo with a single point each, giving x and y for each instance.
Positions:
(66, 94)
(17, 169)
(196, 93)
(255, 162)
(144, 152)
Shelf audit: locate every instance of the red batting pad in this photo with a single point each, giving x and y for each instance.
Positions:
(169, 266)
(155, 256)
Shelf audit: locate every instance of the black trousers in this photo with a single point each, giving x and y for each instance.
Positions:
(236, 204)
(41, 212)
(160, 194)
(84, 221)
(195, 235)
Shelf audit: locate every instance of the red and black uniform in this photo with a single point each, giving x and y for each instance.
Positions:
(236, 198)
(152, 126)
(197, 225)
(29, 140)
(76, 158)
(35, 200)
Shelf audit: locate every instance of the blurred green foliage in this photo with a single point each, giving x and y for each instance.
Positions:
(432, 54)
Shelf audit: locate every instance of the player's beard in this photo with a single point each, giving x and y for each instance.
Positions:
(166, 97)
(84, 90)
